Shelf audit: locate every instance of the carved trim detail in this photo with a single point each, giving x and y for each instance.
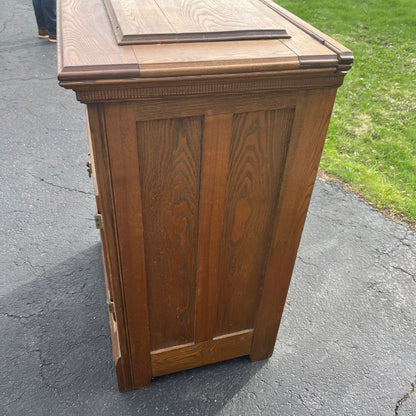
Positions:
(128, 91)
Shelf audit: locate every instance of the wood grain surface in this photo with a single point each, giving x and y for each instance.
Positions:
(204, 201)
(180, 358)
(88, 48)
(164, 21)
(120, 123)
(257, 155)
(215, 160)
(204, 157)
(169, 153)
(345, 56)
(179, 107)
(109, 238)
(203, 58)
(79, 50)
(306, 142)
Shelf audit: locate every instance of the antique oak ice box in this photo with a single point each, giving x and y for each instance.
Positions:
(206, 122)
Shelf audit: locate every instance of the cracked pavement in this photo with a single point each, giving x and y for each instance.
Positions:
(346, 345)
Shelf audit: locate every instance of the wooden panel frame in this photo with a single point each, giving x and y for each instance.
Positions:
(188, 356)
(215, 156)
(109, 238)
(212, 105)
(120, 124)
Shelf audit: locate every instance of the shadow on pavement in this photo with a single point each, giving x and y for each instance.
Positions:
(59, 356)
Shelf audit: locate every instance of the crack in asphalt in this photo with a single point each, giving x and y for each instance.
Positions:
(306, 262)
(42, 364)
(412, 275)
(19, 317)
(404, 398)
(66, 188)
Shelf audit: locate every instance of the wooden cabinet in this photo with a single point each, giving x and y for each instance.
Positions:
(206, 122)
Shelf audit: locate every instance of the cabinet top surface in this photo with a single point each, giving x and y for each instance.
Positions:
(175, 21)
(124, 39)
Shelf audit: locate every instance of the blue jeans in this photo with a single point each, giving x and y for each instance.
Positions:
(45, 12)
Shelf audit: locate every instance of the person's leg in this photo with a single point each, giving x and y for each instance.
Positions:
(49, 11)
(40, 19)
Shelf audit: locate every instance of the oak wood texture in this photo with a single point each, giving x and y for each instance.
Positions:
(257, 154)
(85, 57)
(120, 126)
(134, 90)
(204, 156)
(109, 238)
(305, 146)
(184, 357)
(216, 153)
(169, 153)
(167, 21)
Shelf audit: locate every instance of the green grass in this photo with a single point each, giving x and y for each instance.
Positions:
(371, 142)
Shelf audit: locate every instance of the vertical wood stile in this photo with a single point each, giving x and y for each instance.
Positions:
(96, 123)
(215, 155)
(122, 145)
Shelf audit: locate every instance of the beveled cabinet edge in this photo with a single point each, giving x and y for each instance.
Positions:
(345, 56)
(120, 121)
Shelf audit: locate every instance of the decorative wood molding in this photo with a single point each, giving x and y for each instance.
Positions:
(130, 91)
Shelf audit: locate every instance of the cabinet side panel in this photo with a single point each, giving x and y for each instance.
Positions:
(170, 159)
(257, 154)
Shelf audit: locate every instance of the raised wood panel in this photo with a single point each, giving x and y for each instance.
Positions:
(307, 138)
(161, 21)
(219, 15)
(131, 17)
(257, 154)
(184, 357)
(169, 153)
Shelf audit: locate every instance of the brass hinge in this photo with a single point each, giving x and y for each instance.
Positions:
(98, 221)
(111, 307)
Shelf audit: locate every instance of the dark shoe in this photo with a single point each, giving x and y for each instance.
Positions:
(43, 34)
(52, 38)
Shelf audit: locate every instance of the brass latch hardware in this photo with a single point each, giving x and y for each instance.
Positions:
(111, 307)
(98, 221)
(89, 166)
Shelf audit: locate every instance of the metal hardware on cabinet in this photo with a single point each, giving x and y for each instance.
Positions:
(89, 166)
(98, 221)
(318, 38)
(111, 307)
